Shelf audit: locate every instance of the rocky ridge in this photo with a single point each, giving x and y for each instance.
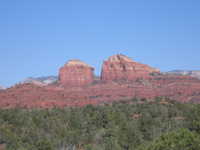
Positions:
(192, 73)
(121, 67)
(42, 81)
(121, 79)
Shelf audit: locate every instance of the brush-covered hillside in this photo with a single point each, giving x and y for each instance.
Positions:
(158, 124)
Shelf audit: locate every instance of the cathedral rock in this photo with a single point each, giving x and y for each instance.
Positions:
(121, 67)
(76, 73)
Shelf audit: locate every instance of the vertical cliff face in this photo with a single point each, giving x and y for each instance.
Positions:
(76, 73)
(119, 67)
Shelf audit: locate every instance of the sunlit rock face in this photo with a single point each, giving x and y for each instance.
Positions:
(76, 73)
(119, 67)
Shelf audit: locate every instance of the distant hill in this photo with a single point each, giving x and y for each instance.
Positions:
(193, 73)
(2, 88)
(41, 80)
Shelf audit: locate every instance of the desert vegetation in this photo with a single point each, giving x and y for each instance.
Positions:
(137, 124)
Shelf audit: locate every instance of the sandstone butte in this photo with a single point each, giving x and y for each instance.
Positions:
(120, 67)
(121, 79)
(76, 73)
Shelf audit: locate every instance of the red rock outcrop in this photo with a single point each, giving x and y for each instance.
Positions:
(119, 67)
(180, 88)
(76, 73)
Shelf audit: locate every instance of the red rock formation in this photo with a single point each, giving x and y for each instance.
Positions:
(119, 67)
(76, 73)
(180, 88)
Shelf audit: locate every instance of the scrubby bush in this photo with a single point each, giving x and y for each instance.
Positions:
(120, 126)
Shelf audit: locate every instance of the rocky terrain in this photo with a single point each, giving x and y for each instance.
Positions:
(46, 80)
(121, 79)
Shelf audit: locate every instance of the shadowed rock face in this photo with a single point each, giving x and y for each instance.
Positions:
(76, 73)
(119, 67)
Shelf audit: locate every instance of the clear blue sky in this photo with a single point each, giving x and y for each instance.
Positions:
(39, 36)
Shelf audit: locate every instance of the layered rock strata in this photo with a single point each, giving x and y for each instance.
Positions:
(72, 90)
(76, 73)
(121, 67)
